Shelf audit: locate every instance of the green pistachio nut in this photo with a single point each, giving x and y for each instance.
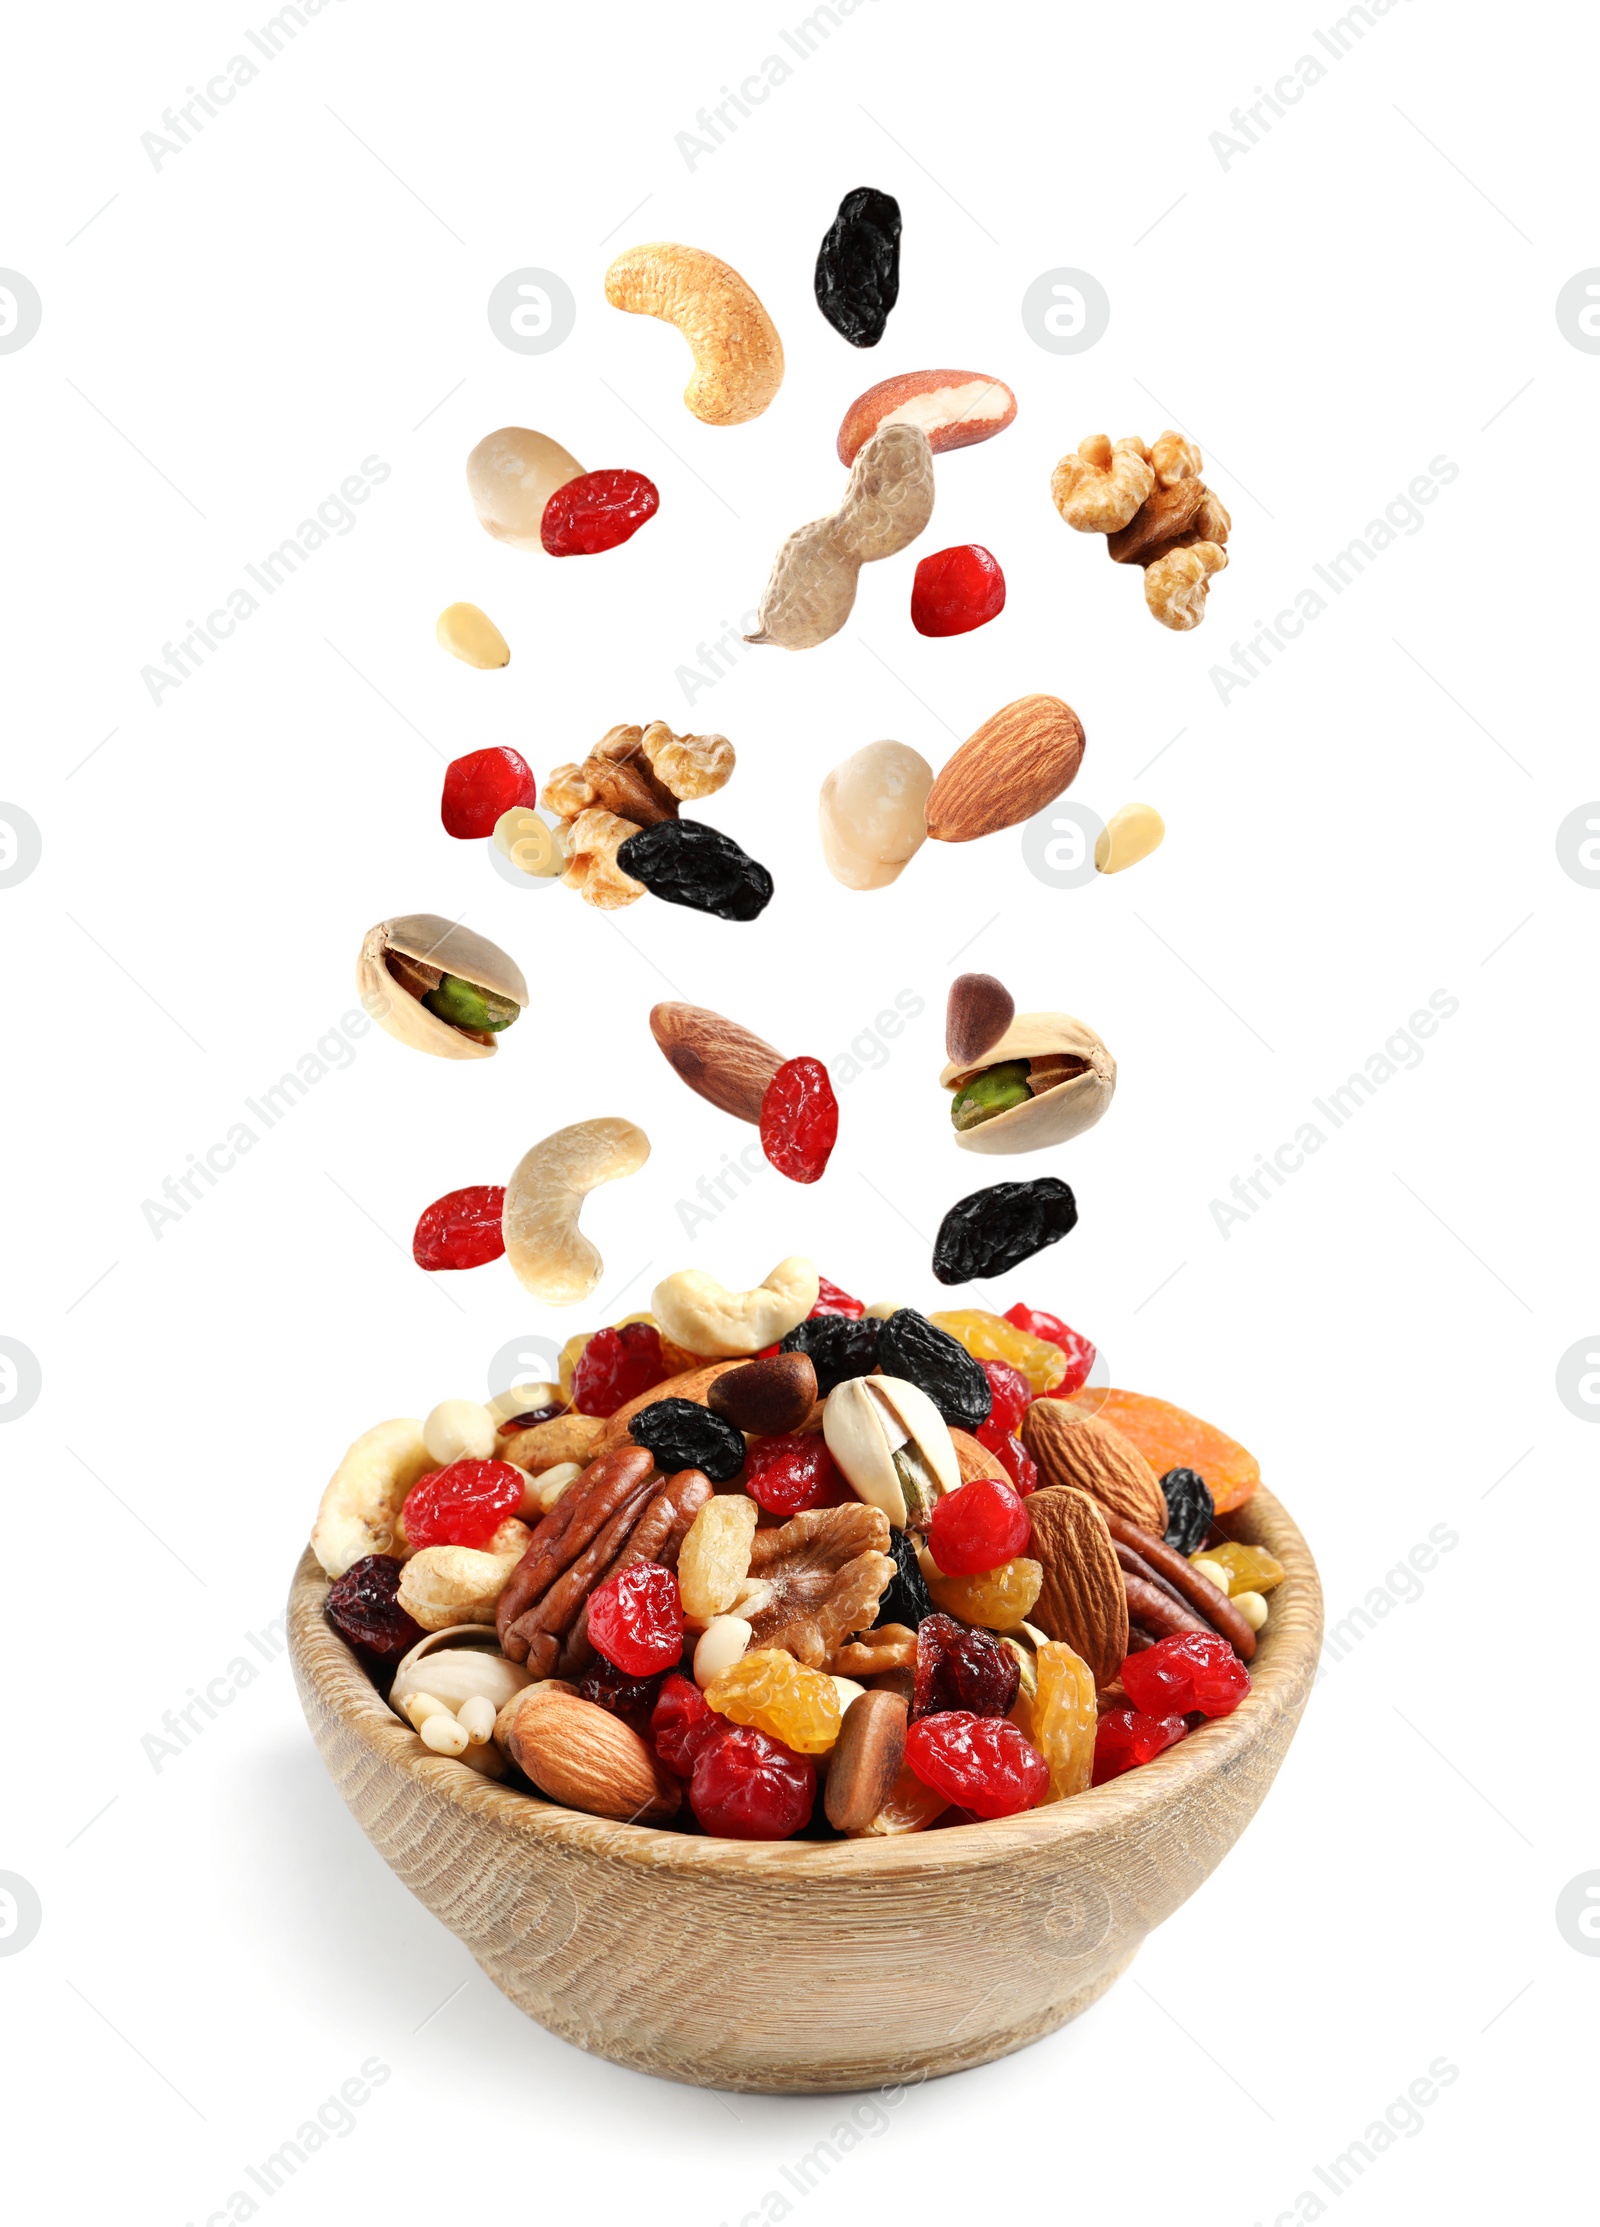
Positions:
(993, 1092)
(465, 1005)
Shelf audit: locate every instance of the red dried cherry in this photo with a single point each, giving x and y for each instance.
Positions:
(1126, 1738)
(799, 1120)
(956, 590)
(977, 1527)
(959, 1668)
(986, 1763)
(681, 1723)
(461, 1230)
(1013, 1457)
(462, 1505)
(1011, 1395)
(616, 1366)
(751, 1787)
(636, 1619)
(1191, 1670)
(832, 1301)
(631, 1699)
(482, 785)
(786, 1473)
(1079, 1351)
(597, 511)
(364, 1608)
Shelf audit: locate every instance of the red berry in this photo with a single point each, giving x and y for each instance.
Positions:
(832, 1301)
(1012, 1395)
(785, 1474)
(681, 1723)
(479, 787)
(1126, 1738)
(461, 1230)
(462, 1505)
(616, 1366)
(977, 1527)
(751, 1787)
(636, 1619)
(986, 1763)
(962, 1669)
(1079, 1351)
(631, 1699)
(956, 590)
(598, 511)
(1013, 1457)
(1191, 1670)
(799, 1120)
(364, 1608)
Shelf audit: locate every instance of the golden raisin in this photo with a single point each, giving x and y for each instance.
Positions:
(989, 1337)
(780, 1696)
(1064, 1718)
(997, 1599)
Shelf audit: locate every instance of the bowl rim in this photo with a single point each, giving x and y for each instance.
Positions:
(1281, 1677)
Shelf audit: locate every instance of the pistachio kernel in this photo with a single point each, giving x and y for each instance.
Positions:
(466, 1005)
(995, 1091)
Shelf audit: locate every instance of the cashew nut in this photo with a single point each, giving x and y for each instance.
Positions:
(886, 505)
(441, 1586)
(738, 357)
(548, 1252)
(703, 1316)
(360, 1511)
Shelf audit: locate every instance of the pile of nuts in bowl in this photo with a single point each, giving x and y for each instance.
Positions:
(773, 1563)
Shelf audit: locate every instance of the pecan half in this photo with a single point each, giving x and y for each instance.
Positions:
(565, 1536)
(1172, 1568)
(655, 1537)
(817, 1580)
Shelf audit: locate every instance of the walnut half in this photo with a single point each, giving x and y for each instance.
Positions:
(594, 872)
(817, 1580)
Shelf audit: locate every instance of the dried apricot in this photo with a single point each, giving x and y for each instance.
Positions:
(1171, 1438)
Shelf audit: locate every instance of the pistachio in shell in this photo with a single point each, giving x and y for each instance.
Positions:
(1068, 1084)
(437, 986)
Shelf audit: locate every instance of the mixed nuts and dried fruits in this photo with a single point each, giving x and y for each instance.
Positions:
(770, 1563)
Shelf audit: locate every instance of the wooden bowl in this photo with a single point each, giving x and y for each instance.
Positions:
(809, 1966)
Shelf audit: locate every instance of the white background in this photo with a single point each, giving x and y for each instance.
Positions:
(1370, 821)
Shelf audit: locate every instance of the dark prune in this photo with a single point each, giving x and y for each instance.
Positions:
(991, 1231)
(911, 1346)
(858, 266)
(364, 1608)
(958, 1668)
(839, 1346)
(907, 1601)
(684, 862)
(1189, 1509)
(631, 1699)
(684, 1435)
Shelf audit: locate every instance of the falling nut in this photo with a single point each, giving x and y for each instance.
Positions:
(738, 357)
(977, 1014)
(439, 987)
(1016, 763)
(549, 1254)
(1176, 586)
(1047, 1079)
(722, 1062)
(871, 814)
(468, 633)
(531, 843)
(1129, 835)
(703, 1316)
(1098, 490)
(511, 475)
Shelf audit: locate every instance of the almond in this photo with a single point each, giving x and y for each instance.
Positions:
(975, 1460)
(1011, 768)
(582, 1755)
(1073, 1448)
(724, 1063)
(1083, 1600)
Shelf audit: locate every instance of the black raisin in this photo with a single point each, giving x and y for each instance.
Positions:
(364, 1608)
(911, 1346)
(907, 1600)
(858, 266)
(631, 1699)
(684, 862)
(991, 1231)
(1189, 1509)
(684, 1435)
(838, 1346)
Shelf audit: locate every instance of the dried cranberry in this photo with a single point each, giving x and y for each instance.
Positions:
(1013, 1457)
(799, 1120)
(616, 1366)
(1011, 1395)
(482, 785)
(956, 590)
(986, 1763)
(681, 1723)
(461, 1230)
(832, 1301)
(364, 1608)
(463, 1505)
(977, 1527)
(529, 1416)
(597, 511)
(1078, 1350)
(1127, 1738)
(751, 1787)
(1191, 1670)
(631, 1699)
(785, 1474)
(636, 1619)
(958, 1668)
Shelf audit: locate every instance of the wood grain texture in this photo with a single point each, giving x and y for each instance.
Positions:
(803, 1966)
